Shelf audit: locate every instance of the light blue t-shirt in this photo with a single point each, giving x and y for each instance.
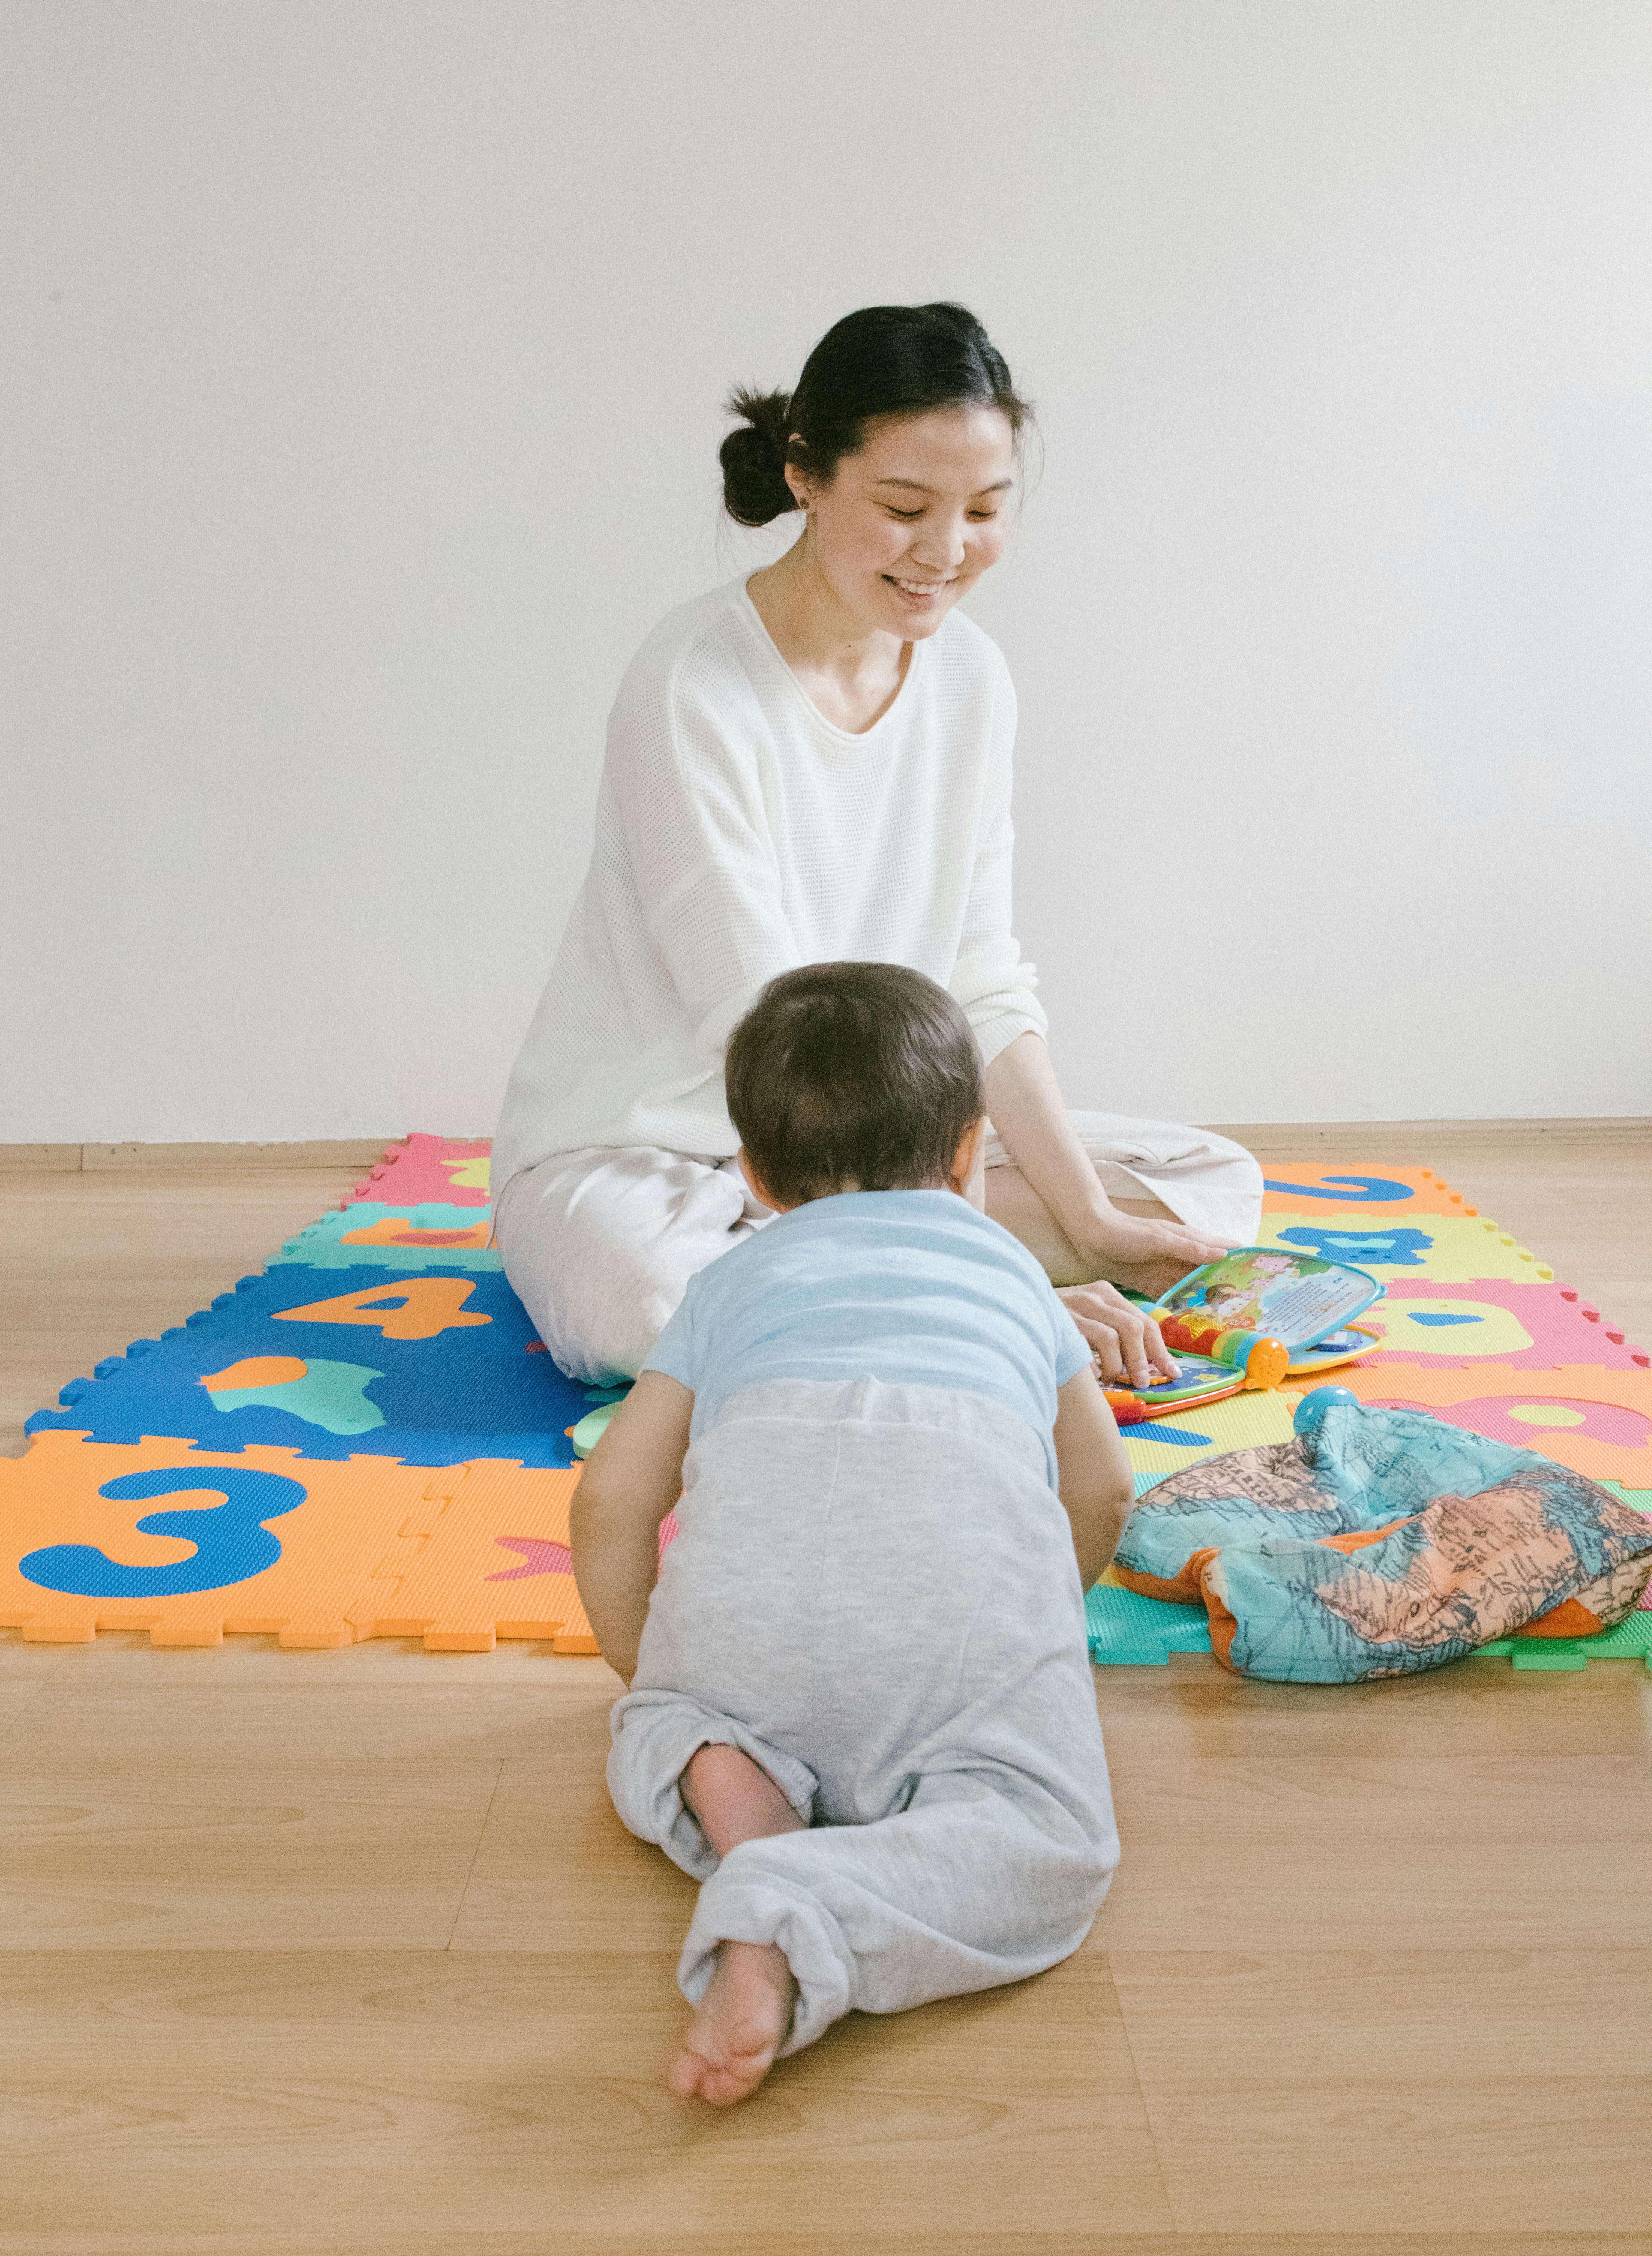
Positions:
(913, 1288)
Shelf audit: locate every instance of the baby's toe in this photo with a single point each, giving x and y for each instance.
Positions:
(687, 2074)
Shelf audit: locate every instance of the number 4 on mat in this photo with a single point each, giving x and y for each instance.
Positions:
(232, 1541)
(411, 1308)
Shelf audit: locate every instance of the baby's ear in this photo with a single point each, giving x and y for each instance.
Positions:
(755, 1184)
(966, 1161)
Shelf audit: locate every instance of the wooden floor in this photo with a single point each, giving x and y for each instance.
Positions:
(347, 1951)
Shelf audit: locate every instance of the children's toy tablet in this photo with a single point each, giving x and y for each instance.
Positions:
(1257, 1308)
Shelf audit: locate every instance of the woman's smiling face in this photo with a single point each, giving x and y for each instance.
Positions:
(909, 523)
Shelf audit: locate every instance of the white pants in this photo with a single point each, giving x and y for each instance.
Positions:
(599, 1245)
(873, 1595)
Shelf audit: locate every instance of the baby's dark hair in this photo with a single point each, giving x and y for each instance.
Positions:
(885, 360)
(852, 1077)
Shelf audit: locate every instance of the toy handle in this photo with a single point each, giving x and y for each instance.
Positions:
(1264, 1362)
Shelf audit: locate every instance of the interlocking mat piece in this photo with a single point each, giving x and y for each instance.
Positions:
(427, 1366)
(368, 1439)
(434, 1234)
(430, 1168)
(189, 1543)
(1475, 1329)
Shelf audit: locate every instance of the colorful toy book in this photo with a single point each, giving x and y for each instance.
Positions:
(1201, 1380)
(1258, 1308)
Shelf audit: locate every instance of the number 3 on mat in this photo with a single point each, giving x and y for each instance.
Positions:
(230, 1539)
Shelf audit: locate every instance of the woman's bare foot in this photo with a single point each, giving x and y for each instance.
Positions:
(741, 2022)
(739, 2025)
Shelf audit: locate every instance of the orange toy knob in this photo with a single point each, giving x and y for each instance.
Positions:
(1266, 1364)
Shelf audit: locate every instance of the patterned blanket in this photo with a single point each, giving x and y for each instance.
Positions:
(1380, 1542)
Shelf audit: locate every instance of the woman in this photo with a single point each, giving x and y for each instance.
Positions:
(813, 764)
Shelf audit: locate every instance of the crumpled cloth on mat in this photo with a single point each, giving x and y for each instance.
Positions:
(1379, 1542)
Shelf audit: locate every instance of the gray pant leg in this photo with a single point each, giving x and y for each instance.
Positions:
(656, 1736)
(980, 1880)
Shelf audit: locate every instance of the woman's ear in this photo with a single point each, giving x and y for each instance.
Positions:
(967, 1169)
(797, 480)
(758, 1188)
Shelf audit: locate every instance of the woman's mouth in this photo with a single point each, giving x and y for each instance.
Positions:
(917, 591)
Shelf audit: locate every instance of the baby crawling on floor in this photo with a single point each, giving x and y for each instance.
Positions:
(861, 1711)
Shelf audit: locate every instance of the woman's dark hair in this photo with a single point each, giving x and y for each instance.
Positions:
(885, 360)
(852, 1077)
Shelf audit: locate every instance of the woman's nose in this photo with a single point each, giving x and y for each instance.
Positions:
(940, 548)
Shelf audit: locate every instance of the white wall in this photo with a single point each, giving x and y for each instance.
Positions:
(361, 371)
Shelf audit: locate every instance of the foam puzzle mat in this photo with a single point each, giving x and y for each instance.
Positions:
(367, 1440)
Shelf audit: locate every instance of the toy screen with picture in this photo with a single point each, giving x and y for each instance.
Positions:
(1294, 1298)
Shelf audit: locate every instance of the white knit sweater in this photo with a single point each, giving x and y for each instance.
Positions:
(739, 833)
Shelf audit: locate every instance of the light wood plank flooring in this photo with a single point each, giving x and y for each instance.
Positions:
(347, 1951)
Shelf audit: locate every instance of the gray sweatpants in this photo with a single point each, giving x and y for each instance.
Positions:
(873, 1595)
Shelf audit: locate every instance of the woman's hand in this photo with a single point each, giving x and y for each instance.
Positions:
(1148, 1257)
(1052, 1200)
(1127, 1347)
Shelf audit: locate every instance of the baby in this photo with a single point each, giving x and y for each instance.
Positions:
(861, 1711)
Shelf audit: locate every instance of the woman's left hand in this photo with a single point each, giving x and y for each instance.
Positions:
(1149, 1256)
(1127, 1344)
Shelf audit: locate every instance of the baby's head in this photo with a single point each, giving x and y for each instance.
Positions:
(853, 1077)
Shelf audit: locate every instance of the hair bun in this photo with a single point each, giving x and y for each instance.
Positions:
(753, 457)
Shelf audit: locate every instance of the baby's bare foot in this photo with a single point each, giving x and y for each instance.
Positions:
(742, 2020)
(739, 2025)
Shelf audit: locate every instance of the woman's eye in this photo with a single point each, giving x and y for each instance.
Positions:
(906, 515)
(985, 516)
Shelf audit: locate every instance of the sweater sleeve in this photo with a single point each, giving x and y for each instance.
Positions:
(702, 859)
(991, 980)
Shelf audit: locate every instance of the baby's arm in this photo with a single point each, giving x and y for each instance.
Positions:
(631, 1481)
(1096, 1483)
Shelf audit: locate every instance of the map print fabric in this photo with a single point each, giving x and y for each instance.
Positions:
(1380, 1542)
